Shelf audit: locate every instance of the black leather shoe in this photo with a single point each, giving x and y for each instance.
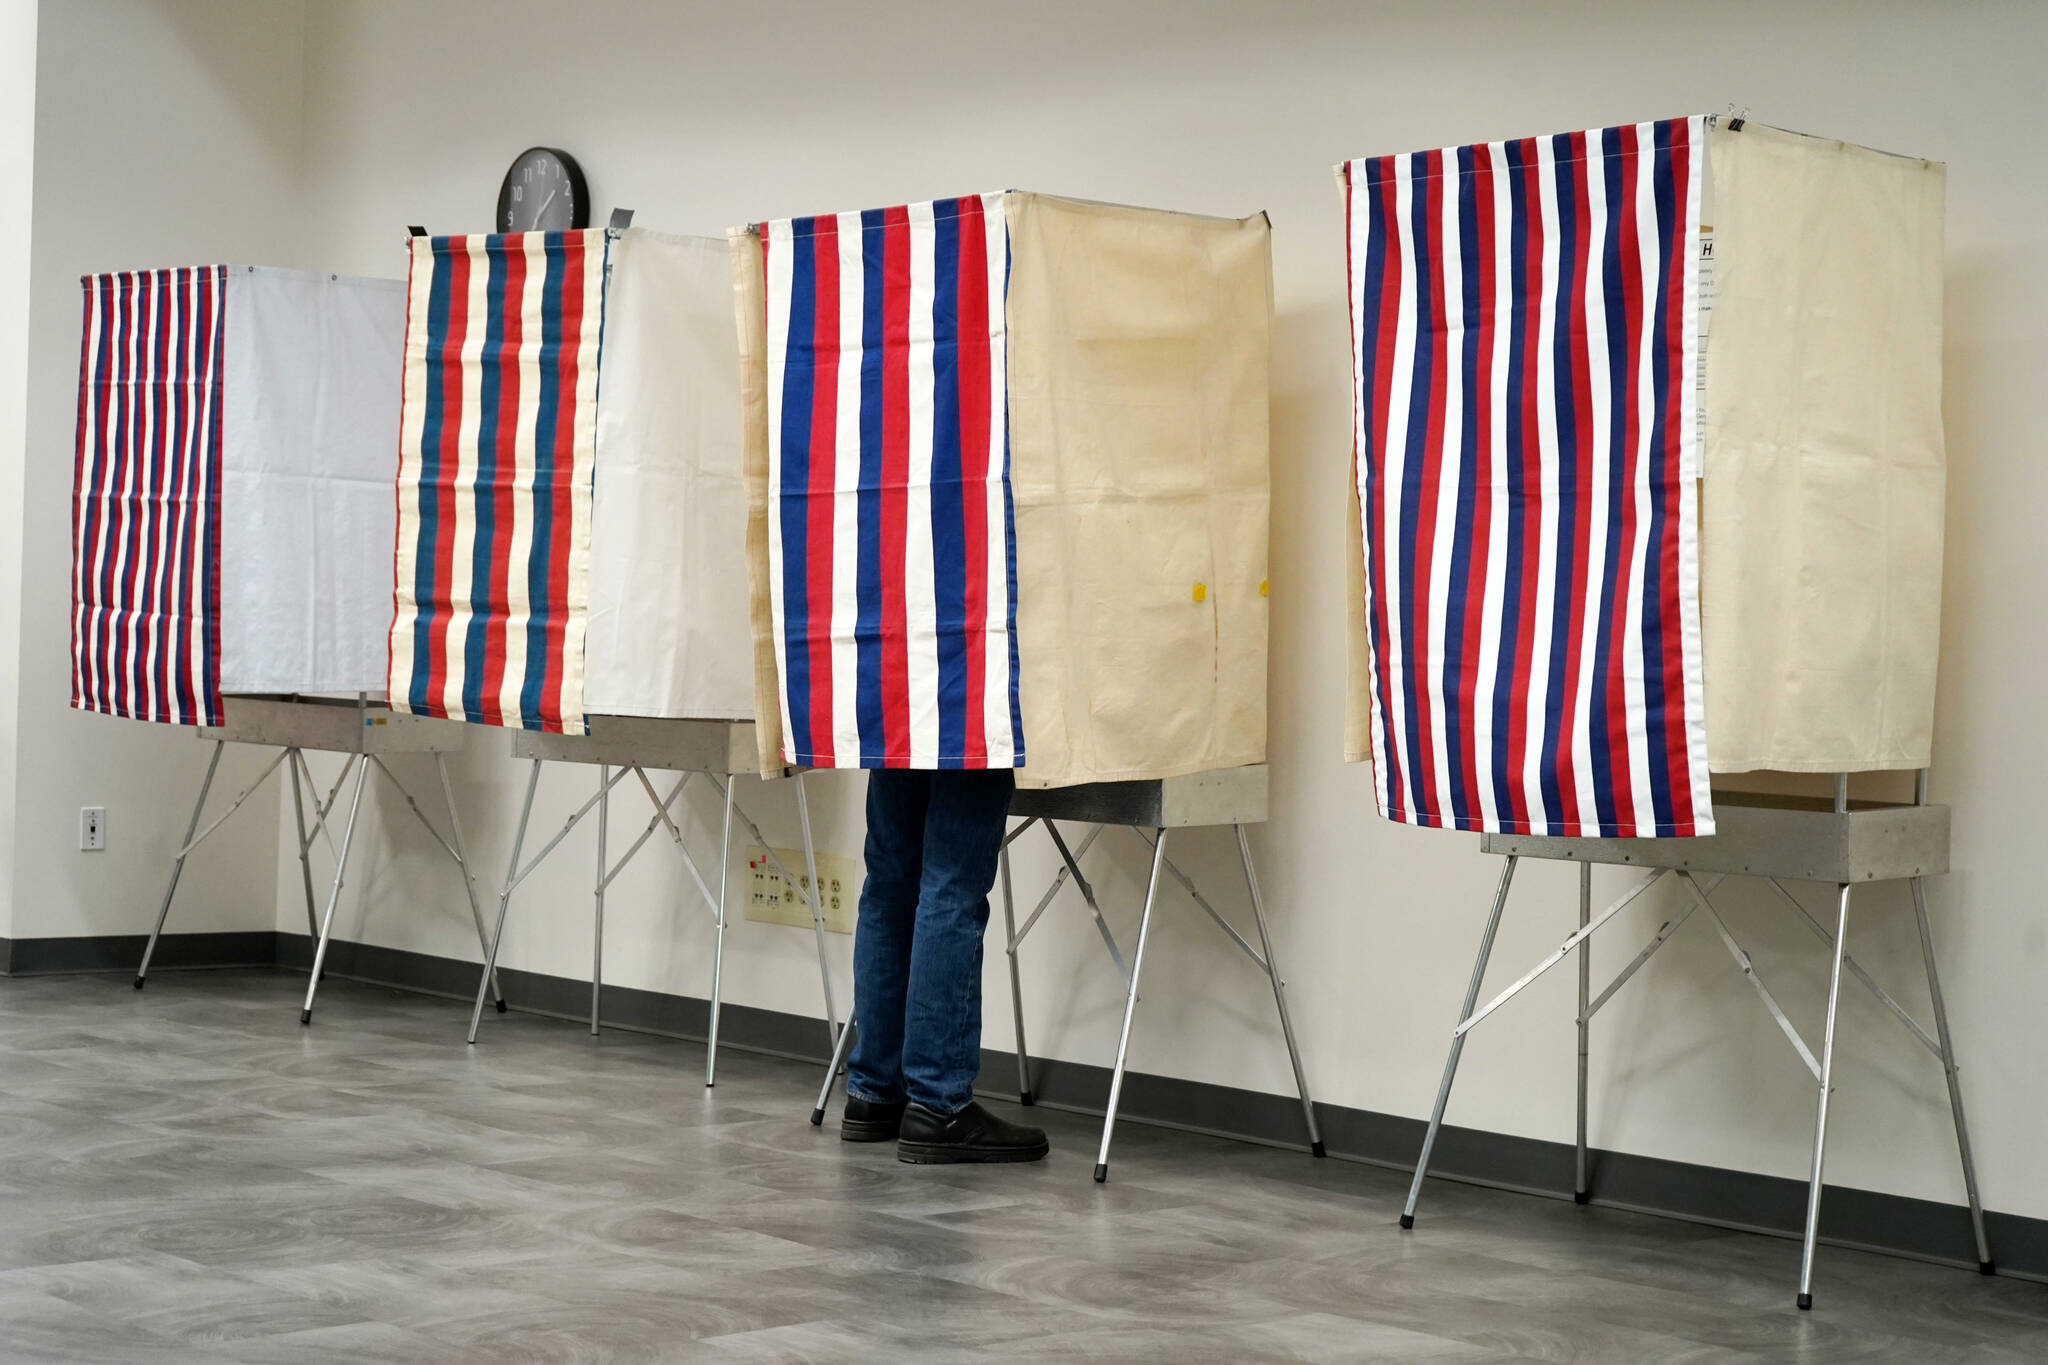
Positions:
(870, 1120)
(973, 1134)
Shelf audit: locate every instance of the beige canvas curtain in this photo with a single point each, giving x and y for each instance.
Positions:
(1357, 642)
(1139, 345)
(750, 310)
(1821, 516)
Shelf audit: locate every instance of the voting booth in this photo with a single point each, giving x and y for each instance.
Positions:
(1636, 501)
(570, 527)
(1007, 475)
(1008, 487)
(231, 516)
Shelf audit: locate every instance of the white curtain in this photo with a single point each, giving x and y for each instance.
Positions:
(668, 634)
(309, 461)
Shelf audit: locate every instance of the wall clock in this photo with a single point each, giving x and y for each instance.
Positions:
(543, 192)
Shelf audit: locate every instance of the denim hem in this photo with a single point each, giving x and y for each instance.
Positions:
(853, 1094)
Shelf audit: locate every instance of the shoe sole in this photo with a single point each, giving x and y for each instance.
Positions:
(868, 1132)
(922, 1154)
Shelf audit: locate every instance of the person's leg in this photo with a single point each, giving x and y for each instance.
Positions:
(963, 838)
(942, 1035)
(898, 801)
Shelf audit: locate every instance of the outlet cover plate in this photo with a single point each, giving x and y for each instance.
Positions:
(772, 899)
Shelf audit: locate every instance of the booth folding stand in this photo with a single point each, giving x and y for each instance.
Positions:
(720, 752)
(366, 733)
(1776, 840)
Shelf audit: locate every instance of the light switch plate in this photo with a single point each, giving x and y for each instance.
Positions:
(92, 829)
(772, 899)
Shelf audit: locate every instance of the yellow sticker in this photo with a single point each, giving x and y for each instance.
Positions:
(1201, 591)
(1262, 587)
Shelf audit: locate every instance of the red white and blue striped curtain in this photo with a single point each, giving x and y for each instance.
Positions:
(1524, 319)
(495, 455)
(145, 510)
(891, 546)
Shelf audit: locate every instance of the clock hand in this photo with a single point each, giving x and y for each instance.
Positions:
(545, 202)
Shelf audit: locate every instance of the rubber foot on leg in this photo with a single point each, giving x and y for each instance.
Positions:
(1407, 1220)
(305, 1016)
(1101, 1171)
(1026, 1099)
(817, 1118)
(1987, 1267)
(1581, 1197)
(1805, 1303)
(138, 983)
(1316, 1148)
(501, 1007)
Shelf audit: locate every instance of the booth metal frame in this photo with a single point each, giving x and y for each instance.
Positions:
(720, 751)
(365, 732)
(1838, 843)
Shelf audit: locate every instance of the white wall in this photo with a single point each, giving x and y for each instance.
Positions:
(17, 169)
(703, 116)
(165, 134)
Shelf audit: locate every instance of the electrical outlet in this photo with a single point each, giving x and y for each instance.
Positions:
(92, 829)
(773, 899)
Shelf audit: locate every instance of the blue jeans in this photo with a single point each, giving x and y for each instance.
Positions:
(933, 840)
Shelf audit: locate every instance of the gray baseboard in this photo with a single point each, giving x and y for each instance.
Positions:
(122, 952)
(1894, 1224)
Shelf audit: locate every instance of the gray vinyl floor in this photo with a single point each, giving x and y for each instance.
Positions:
(186, 1174)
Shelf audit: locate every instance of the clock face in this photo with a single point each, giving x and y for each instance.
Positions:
(543, 192)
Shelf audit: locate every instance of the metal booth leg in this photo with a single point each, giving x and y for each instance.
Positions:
(483, 984)
(1024, 1095)
(178, 865)
(604, 810)
(348, 834)
(718, 950)
(1985, 1264)
(834, 1033)
(476, 912)
(1251, 881)
(303, 770)
(1123, 1042)
(832, 1068)
(1820, 1122)
(1581, 1191)
(840, 1034)
(1443, 1094)
(292, 761)
(817, 899)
